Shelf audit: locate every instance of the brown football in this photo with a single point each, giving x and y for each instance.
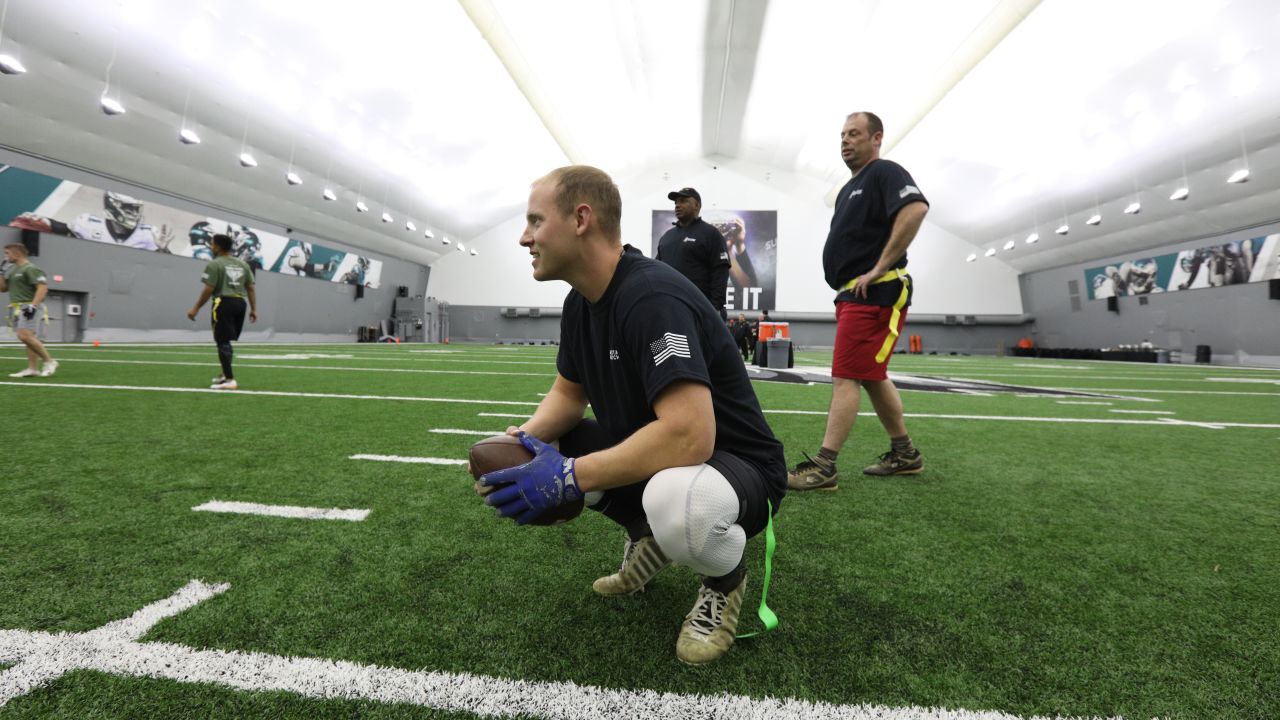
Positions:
(503, 451)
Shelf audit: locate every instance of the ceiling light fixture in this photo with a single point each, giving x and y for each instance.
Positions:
(188, 136)
(1033, 238)
(329, 194)
(474, 252)
(444, 241)
(1063, 229)
(1181, 193)
(247, 160)
(110, 105)
(461, 248)
(989, 252)
(361, 207)
(428, 234)
(1133, 208)
(1010, 245)
(972, 257)
(1241, 175)
(292, 178)
(1094, 219)
(386, 217)
(410, 226)
(9, 65)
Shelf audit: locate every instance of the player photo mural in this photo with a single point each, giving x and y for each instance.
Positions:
(48, 205)
(751, 239)
(1228, 263)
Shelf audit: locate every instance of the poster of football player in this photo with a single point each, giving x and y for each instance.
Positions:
(46, 204)
(751, 239)
(1229, 263)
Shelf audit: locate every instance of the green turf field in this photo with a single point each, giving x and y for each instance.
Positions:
(1119, 558)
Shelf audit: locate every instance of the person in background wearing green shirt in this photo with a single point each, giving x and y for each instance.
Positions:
(27, 286)
(228, 280)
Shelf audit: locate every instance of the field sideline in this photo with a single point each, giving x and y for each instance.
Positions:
(309, 547)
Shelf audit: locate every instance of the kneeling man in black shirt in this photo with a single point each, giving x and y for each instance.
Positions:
(679, 453)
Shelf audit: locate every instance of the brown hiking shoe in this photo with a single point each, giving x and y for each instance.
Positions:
(809, 475)
(896, 463)
(641, 560)
(710, 627)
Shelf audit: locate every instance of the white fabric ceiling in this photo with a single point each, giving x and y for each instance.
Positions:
(1012, 114)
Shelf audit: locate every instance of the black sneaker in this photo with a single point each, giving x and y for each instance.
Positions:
(896, 463)
(809, 475)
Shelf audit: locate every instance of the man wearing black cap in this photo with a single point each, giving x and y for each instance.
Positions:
(696, 248)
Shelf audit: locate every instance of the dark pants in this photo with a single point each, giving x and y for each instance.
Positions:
(228, 321)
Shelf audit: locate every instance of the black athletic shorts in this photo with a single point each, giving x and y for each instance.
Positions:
(228, 318)
(624, 503)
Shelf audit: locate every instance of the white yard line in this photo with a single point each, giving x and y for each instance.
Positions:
(1168, 392)
(296, 367)
(1089, 421)
(1144, 412)
(286, 511)
(402, 459)
(455, 431)
(43, 657)
(1081, 402)
(265, 393)
(504, 415)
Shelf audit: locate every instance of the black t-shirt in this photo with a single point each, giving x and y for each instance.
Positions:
(652, 328)
(698, 252)
(860, 228)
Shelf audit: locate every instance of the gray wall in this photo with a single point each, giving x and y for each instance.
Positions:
(1238, 322)
(475, 323)
(136, 295)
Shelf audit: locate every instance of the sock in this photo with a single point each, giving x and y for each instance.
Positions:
(902, 445)
(826, 458)
(638, 529)
(726, 583)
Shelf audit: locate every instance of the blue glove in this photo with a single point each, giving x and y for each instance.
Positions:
(526, 491)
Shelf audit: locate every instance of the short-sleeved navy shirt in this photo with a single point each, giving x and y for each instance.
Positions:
(651, 328)
(698, 252)
(861, 225)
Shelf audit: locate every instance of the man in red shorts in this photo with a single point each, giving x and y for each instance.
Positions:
(877, 215)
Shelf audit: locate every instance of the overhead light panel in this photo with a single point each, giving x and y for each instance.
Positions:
(386, 217)
(188, 136)
(293, 178)
(1133, 208)
(444, 241)
(428, 234)
(474, 252)
(9, 65)
(990, 252)
(1094, 219)
(1063, 229)
(328, 194)
(361, 207)
(1239, 176)
(1033, 238)
(111, 106)
(410, 226)
(247, 160)
(461, 248)
(972, 257)
(1181, 193)
(1010, 245)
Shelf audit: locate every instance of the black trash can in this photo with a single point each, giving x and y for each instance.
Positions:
(1203, 355)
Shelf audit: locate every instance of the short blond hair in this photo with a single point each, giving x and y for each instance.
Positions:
(22, 249)
(576, 184)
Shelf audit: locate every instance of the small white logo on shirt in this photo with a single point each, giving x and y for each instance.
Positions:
(724, 256)
(668, 346)
(855, 193)
(613, 354)
(908, 190)
(689, 239)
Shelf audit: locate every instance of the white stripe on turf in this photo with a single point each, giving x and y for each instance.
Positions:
(1096, 421)
(287, 511)
(455, 431)
(1081, 402)
(504, 415)
(402, 459)
(1144, 412)
(43, 657)
(239, 365)
(268, 393)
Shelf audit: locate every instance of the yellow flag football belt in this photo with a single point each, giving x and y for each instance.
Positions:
(13, 313)
(901, 302)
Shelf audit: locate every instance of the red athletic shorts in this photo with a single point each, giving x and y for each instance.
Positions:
(862, 332)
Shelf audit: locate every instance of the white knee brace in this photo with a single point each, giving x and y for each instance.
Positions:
(693, 512)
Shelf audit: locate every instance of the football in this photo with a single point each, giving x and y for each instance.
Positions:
(503, 451)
